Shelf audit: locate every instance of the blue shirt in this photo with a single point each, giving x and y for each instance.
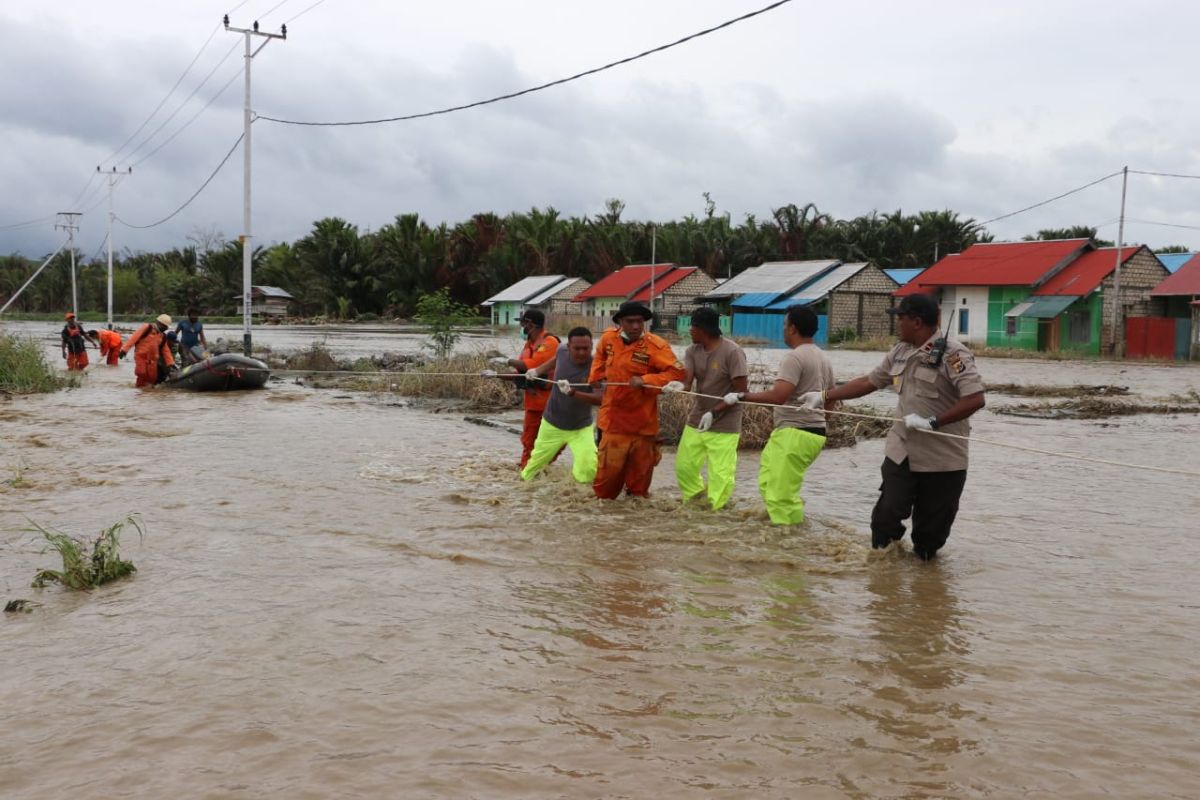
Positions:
(189, 333)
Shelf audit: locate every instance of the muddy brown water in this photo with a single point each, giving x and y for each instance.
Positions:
(338, 597)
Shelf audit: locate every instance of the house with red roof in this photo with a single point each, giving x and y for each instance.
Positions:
(667, 289)
(1040, 295)
(1179, 299)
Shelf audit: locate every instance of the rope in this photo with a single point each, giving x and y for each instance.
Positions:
(855, 415)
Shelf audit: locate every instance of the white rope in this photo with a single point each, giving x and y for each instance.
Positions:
(992, 442)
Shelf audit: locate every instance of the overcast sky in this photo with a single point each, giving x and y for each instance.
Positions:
(851, 105)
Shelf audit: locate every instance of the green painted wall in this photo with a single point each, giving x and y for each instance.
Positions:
(506, 313)
(1000, 300)
(1093, 307)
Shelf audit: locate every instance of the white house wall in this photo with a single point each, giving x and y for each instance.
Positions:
(972, 299)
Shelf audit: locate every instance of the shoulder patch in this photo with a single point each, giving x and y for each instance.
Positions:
(955, 363)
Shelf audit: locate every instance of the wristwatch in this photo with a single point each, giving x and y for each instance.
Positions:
(933, 423)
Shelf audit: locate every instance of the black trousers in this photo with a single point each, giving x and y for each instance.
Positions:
(931, 498)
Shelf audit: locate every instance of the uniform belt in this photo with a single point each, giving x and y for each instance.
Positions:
(814, 431)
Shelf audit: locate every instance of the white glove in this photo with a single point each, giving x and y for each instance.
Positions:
(705, 422)
(487, 373)
(499, 361)
(531, 374)
(731, 399)
(673, 386)
(918, 423)
(813, 400)
(564, 386)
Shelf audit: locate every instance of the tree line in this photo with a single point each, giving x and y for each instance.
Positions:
(339, 271)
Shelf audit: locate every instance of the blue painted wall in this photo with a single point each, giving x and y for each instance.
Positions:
(769, 327)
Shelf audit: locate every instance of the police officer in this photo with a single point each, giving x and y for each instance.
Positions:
(939, 388)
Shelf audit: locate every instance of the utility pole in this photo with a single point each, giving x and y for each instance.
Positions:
(69, 221)
(114, 178)
(1118, 321)
(653, 267)
(247, 119)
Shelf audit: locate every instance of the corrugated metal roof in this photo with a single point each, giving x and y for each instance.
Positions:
(903, 276)
(625, 281)
(997, 264)
(1185, 281)
(755, 300)
(662, 284)
(1085, 273)
(522, 290)
(1043, 307)
(272, 291)
(550, 291)
(1173, 261)
(815, 291)
(775, 277)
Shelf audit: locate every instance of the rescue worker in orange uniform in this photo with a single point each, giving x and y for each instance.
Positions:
(110, 345)
(149, 344)
(540, 347)
(630, 354)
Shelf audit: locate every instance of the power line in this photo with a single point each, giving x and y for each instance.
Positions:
(196, 194)
(1163, 224)
(538, 88)
(272, 9)
(305, 11)
(1163, 174)
(184, 126)
(167, 97)
(179, 108)
(1051, 200)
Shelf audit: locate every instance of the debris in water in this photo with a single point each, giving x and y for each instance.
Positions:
(87, 566)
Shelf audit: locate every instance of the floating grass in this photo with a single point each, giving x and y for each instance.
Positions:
(84, 565)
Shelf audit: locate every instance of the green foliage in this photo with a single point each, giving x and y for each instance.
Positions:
(1072, 232)
(23, 368)
(86, 566)
(440, 315)
(1172, 248)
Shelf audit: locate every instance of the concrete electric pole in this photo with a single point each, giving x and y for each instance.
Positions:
(247, 119)
(114, 178)
(69, 221)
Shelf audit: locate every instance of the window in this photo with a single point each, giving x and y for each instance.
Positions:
(1079, 327)
(1010, 326)
(964, 324)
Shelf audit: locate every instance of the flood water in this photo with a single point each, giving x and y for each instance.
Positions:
(340, 597)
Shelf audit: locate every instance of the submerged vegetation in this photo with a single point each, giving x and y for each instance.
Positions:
(84, 565)
(23, 368)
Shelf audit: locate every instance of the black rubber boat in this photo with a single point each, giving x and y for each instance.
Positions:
(220, 374)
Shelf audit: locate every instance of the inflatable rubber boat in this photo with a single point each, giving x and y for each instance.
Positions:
(221, 373)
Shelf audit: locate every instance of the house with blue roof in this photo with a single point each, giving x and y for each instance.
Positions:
(1173, 261)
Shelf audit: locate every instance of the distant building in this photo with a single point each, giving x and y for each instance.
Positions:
(1177, 298)
(547, 293)
(267, 301)
(667, 289)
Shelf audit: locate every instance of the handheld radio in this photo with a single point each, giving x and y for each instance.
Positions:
(938, 351)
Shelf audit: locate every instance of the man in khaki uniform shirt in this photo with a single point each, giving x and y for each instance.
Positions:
(923, 474)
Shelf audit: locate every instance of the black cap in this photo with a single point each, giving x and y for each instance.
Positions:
(633, 309)
(921, 306)
(534, 316)
(707, 319)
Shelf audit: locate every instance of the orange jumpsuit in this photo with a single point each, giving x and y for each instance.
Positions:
(628, 449)
(149, 345)
(110, 345)
(75, 345)
(535, 353)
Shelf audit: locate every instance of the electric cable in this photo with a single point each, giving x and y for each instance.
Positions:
(192, 119)
(180, 107)
(1163, 224)
(1051, 200)
(305, 11)
(167, 97)
(1163, 174)
(196, 194)
(532, 89)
